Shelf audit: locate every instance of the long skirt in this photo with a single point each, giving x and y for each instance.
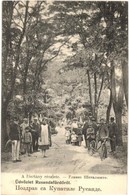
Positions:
(44, 147)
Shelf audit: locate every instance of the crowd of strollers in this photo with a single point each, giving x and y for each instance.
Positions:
(27, 138)
(76, 132)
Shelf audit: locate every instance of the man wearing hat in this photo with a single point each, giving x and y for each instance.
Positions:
(112, 134)
(94, 125)
(35, 129)
(15, 137)
(84, 130)
(102, 130)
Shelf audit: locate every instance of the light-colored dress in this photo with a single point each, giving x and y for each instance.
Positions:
(44, 141)
(67, 134)
(73, 138)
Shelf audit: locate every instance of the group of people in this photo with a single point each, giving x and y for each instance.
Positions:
(28, 138)
(90, 130)
(73, 133)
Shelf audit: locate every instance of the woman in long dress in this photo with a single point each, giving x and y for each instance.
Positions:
(44, 139)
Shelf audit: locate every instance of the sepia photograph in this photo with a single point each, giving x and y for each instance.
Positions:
(64, 94)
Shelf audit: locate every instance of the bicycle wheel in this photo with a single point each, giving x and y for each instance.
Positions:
(103, 152)
(91, 148)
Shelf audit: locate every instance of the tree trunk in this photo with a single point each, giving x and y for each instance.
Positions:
(4, 133)
(117, 105)
(8, 7)
(95, 85)
(28, 59)
(125, 80)
(109, 108)
(101, 87)
(118, 116)
(90, 94)
(45, 97)
(124, 36)
(95, 97)
(7, 98)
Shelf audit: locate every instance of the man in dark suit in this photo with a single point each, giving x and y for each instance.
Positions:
(35, 129)
(112, 134)
(15, 137)
(94, 125)
(84, 130)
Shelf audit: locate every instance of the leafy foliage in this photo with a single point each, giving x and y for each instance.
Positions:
(80, 41)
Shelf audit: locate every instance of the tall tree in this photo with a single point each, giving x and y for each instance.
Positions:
(12, 40)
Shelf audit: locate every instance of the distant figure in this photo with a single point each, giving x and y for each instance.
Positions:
(73, 138)
(27, 140)
(67, 135)
(15, 137)
(112, 134)
(74, 125)
(44, 139)
(79, 134)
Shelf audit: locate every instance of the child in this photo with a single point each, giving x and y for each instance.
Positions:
(79, 133)
(27, 139)
(67, 135)
(73, 138)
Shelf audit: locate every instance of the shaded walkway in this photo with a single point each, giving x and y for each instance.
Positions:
(62, 158)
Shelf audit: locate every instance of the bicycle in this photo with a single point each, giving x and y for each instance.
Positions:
(92, 145)
(103, 149)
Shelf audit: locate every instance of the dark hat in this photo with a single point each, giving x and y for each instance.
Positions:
(27, 128)
(15, 118)
(67, 127)
(74, 119)
(44, 119)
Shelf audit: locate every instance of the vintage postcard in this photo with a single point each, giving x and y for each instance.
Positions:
(64, 97)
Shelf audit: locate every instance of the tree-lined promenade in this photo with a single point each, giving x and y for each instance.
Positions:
(63, 158)
(87, 45)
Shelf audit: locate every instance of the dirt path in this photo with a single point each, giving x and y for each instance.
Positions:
(62, 158)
